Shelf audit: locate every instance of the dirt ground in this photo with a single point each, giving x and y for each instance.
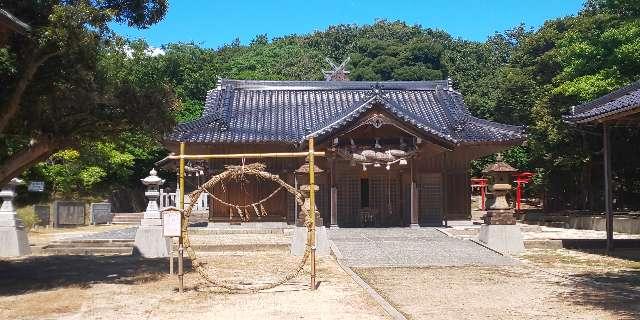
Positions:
(94, 287)
(551, 284)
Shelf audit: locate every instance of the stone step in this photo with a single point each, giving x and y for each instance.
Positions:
(129, 215)
(91, 244)
(236, 247)
(89, 251)
(216, 231)
(126, 220)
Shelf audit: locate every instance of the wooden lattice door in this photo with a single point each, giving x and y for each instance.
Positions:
(385, 201)
(348, 200)
(430, 198)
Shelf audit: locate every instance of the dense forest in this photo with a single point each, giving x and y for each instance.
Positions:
(523, 76)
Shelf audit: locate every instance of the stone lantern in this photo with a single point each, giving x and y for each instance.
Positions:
(305, 189)
(13, 236)
(300, 232)
(152, 214)
(499, 230)
(150, 241)
(499, 174)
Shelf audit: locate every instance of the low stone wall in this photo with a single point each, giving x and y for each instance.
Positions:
(620, 224)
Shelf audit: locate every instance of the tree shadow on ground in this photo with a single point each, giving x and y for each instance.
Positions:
(623, 300)
(57, 271)
(617, 291)
(631, 254)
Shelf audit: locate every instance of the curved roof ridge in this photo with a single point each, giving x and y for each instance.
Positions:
(331, 85)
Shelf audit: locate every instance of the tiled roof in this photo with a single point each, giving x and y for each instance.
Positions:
(622, 100)
(241, 111)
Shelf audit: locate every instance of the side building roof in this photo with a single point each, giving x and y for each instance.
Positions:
(621, 101)
(248, 111)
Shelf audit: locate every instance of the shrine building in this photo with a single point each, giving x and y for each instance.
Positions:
(398, 152)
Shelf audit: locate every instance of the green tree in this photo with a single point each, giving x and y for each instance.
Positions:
(57, 91)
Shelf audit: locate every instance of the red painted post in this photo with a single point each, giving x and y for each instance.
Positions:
(521, 179)
(518, 195)
(482, 184)
(483, 187)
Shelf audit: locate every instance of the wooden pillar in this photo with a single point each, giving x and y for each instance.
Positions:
(334, 194)
(312, 212)
(414, 198)
(608, 199)
(445, 191)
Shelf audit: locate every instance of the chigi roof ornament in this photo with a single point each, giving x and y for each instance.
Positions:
(339, 72)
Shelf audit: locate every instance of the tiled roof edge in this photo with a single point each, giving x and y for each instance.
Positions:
(605, 99)
(331, 85)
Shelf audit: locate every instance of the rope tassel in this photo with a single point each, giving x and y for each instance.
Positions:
(255, 209)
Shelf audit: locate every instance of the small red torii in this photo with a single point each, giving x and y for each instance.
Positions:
(522, 178)
(481, 183)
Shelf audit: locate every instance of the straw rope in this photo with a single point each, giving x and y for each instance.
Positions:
(238, 172)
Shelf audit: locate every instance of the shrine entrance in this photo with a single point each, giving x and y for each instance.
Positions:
(372, 172)
(371, 200)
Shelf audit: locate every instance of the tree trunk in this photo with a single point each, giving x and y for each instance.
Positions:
(21, 161)
(11, 107)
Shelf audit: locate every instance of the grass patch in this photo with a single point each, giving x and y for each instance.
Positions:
(28, 216)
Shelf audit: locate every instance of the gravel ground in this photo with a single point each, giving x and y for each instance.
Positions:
(402, 247)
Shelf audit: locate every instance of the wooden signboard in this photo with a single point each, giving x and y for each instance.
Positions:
(69, 213)
(101, 213)
(44, 214)
(171, 224)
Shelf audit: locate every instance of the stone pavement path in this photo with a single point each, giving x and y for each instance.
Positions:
(404, 247)
(118, 234)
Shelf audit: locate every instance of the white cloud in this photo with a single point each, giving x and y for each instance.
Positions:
(151, 51)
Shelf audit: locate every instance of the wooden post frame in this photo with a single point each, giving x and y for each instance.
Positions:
(608, 199)
(312, 214)
(180, 240)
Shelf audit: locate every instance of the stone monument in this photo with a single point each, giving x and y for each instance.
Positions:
(499, 230)
(150, 241)
(13, 236)
(300, 232)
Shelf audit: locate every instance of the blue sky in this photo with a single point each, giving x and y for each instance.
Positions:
(213, 23)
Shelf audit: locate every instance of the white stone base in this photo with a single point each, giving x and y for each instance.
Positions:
(414, 226)
(506, 239)
(150, 242)
(13, 242)
(299, 241)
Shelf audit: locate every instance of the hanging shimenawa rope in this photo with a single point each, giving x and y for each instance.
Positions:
(256, 169)
(243, 215)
